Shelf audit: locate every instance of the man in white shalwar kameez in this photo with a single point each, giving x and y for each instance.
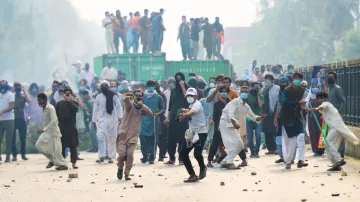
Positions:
(230, 123)
(107, 114)
(337, 131)
(49, 142)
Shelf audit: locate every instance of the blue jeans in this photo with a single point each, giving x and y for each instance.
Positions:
(148, 148)
(155, 42)
(250, 127)
(135, 38)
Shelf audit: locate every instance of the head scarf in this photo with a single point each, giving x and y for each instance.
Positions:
(177, 84)
(109, 97)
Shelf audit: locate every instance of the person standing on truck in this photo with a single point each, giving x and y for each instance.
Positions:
(208, 38)
(119, 31)
(109, 73)
(184, 36)
(145, 26)
(135, 31)
(216, 35)
(195, 36)
(107, 24)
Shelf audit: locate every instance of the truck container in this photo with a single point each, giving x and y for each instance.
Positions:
(137, 67)
(203, 68)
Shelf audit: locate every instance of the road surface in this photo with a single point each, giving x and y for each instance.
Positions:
(30, 181)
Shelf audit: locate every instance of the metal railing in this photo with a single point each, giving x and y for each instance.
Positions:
(348, 77)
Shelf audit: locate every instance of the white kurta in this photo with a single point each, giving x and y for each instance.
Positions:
(107, 124)
(236, 109)
(109, 73)
(49, 143)
(338, 131)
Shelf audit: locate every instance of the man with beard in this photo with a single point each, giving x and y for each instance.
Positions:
(107, 114)
(66, 112)
(129, 132)
(7, 101)
(292, 122)
(20, 123)
(270, 93)
(177, 128)
(49, 142)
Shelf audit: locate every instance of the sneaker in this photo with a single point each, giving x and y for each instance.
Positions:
(119, 174)
(192, 179)
(202, 174)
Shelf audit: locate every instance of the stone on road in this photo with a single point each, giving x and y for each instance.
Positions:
(273, 182)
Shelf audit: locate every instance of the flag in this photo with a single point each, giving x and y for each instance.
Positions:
(324, 128)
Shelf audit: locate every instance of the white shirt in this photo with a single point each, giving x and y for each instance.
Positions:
(105, 21)
(87, 75)
(254, 78)
(100, 113)
(5, 100)
(330, 114)
(197, 123)
(167, 94)
(109, 73)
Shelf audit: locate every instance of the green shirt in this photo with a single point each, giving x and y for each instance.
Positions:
(252, 103)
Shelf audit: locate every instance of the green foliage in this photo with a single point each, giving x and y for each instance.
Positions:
(303, 32)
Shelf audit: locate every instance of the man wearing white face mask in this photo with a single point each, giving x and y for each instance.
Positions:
(198, 132)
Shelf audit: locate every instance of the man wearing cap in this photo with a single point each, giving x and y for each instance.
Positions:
(107, 113)
(197, 135)
(109, 72)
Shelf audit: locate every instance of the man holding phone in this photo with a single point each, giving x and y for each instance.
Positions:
(66, 112)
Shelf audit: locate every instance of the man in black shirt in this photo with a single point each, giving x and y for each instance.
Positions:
(20, 123)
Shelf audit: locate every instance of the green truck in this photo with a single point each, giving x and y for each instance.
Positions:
(144, 67)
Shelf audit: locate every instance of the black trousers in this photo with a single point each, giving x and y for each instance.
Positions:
(21, 126)
(73, 153)
(172, 144)
(270, 141)
(208, 53)
(242, 154)
(214, 145)
(198, 148)
(163, 138)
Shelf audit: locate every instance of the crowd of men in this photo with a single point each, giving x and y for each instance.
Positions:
(194, 36)
(222, 116)
(150, 29)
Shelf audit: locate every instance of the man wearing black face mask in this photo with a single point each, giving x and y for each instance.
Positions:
(20, 123)
(176, 129)
(337, 98)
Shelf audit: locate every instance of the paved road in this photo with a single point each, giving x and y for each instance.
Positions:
(30, 181)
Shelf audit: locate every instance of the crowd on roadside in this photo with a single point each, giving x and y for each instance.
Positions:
(225, 117)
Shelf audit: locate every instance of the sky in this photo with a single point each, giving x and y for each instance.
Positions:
(232, 14)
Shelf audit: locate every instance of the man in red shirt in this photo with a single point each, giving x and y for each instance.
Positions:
(135, 30)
